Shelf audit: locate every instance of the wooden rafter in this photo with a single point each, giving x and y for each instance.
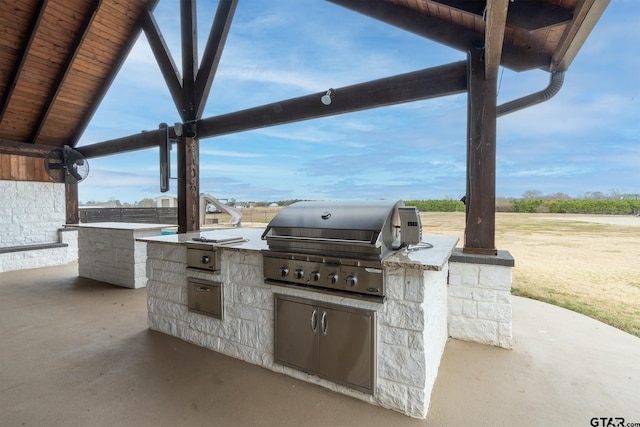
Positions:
(189, 31)
(164, 59)
(15, 75)
(586, 14)
(213, 52)
(64, 71)
(495, 22)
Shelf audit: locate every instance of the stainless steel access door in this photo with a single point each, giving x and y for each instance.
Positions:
(347, 352)
(296, 339)
(332, 341)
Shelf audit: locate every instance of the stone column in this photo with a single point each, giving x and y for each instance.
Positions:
(479, 299)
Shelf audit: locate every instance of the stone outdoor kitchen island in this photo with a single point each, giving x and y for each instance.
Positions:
(412, 325)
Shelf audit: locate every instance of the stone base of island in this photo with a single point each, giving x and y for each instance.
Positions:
(412, 324)
(109, 251)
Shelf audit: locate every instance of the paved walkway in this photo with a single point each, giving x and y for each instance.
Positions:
(77, 352)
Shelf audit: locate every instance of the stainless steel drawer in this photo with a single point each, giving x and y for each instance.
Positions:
(205, 297)
(203, 259)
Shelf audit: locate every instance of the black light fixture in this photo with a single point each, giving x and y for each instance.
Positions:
(326, 98)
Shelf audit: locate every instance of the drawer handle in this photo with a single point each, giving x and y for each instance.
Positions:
(205, 259)
(314, 320)
(203, 289)
(324, 324)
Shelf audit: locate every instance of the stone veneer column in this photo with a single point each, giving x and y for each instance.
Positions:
(30, 212)
(479, 298)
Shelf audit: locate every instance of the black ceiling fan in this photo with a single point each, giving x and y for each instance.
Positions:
(66, 165)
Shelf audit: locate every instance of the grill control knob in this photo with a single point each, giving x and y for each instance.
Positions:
(284, 271)
(299, 273)
(333, 278)
(352, 281)
(315, 276)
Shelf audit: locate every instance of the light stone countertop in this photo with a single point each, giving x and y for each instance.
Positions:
(416, 257)
(119, 226)
(423, 257)
(252, 238)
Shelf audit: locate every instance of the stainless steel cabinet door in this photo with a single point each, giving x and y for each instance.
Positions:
(347, 348)
(296, 334)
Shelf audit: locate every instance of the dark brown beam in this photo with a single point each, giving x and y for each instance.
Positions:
(433, 82)
(528, 15)
(24, 149)
(496, 18)
(586, 14)
(17, 71)
(164, 59)
(213, 52)
(432, 28)
(189, 37)
(108, 80)
(64, 72)
(135, 142)
(479, 233)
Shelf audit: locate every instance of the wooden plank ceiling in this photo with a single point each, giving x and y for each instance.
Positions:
(57, 59)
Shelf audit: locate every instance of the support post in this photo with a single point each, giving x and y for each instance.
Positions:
(479, 233)
(188, 151)
(188, 185)
(71, 201)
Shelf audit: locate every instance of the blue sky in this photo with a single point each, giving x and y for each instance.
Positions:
(585, 139)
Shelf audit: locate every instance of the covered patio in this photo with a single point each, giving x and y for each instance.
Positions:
(78, 352)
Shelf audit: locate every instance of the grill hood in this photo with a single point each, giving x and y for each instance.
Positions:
(361, 229)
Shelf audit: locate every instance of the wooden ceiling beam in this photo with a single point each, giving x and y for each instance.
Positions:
(139, 141)
(108, 80)
(444, 80)
(18, 148)
(426, 26)
(495, 22)
(213, 52)
(17, 71)
(164, 59)
(587, 13)
(433, 82)
(438, 30)
(527, 15)
(189, 37)
(64, 71)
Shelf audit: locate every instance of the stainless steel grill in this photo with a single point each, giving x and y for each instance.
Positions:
(338, 245)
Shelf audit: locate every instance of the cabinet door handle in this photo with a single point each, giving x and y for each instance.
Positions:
(324, 324)
(314, 320)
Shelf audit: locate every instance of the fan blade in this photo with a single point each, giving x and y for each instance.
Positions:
(75, 174)
(55, 166)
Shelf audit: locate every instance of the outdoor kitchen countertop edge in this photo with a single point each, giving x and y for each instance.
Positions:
(127, 226)
(420, 257)
(433, 258)
(251, 238)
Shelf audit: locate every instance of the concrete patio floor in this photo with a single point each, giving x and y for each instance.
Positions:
(77, 352)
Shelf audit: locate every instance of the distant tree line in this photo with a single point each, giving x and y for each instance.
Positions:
(437, 205)
(535, 202)
(580, 206)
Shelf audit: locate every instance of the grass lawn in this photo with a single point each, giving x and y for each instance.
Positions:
(586, 263)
